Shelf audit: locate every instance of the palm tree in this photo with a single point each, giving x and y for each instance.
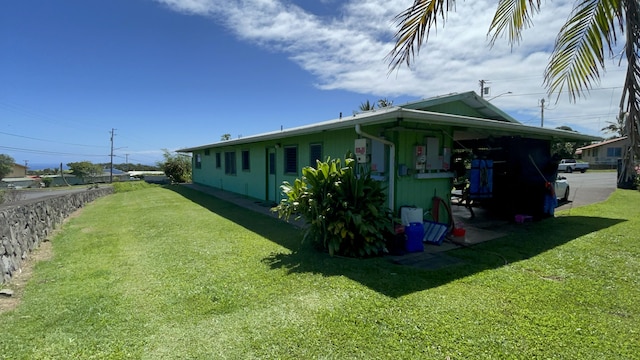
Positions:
(385, 103)
(578, 55)
(366, 106)
(616, 128)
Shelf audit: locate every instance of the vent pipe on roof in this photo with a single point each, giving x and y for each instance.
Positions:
(392, 164)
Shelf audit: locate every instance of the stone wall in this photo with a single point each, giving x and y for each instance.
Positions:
(25, 224)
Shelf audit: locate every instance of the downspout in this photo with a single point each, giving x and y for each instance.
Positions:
(392, 163)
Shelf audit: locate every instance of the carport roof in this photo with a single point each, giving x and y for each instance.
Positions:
(498, 123)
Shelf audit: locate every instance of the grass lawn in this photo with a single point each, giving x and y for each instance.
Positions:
(162, 273)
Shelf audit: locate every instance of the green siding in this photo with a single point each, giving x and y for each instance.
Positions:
(335, 144)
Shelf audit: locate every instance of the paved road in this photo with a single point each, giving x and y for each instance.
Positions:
(28, 194)
(588, 188)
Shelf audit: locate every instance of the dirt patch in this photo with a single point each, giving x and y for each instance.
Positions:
(19, 279)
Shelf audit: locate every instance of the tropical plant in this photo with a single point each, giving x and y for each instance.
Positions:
(616, 128)
(382, 103)
(345, 212)
(177, 167)
(366, 106)
(578, 56)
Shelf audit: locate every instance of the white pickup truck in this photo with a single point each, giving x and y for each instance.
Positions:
(571, 165)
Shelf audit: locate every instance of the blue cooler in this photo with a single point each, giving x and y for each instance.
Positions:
(415, 234)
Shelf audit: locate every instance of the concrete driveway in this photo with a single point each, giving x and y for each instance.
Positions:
(588, 188)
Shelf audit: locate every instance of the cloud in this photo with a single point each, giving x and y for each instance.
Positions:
(347, 50)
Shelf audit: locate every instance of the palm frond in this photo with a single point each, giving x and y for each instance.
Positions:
(415, 24)
(630, 100)
(578, 54)
(512, 16)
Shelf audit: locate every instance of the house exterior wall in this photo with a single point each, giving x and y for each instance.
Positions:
(18, 171)
(606, 154)
(258, 183)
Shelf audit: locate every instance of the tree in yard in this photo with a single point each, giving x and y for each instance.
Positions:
(177, 167)
(225, 137)
(6, 165)
(85, 170)
(564, 150)
(578, 55)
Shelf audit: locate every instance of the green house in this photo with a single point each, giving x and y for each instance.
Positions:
(416, 149)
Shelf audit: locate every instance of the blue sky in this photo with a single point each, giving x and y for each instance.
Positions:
(167, 74)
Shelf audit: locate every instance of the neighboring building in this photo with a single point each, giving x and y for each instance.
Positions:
(19, 171)
(414, 149)
(603, 154)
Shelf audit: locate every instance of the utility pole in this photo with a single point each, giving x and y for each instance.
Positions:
(111, 164)
(482, 83)
(542, 112)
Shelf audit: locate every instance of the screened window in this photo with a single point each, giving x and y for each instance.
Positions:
(230, 162)
(245, 160)
(198, 161)
(207, 152)
(614, 152)
(291, 159)
(218, 161)
(315, 153)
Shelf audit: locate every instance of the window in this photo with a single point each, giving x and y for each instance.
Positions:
(315, 153)
(198, 161)
(291, 159)
(614, 152)
(245, 160)
(230, 162)
(218, 161)
(207, 152)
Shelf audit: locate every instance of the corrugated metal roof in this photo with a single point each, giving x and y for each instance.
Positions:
(606, 142)
(499, 122)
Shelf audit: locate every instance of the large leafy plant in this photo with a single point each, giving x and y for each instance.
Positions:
(345, 212)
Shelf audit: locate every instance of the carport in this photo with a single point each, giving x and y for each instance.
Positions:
(522, 165)
(519, 156)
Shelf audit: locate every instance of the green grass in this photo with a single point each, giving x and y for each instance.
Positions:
(170, 273)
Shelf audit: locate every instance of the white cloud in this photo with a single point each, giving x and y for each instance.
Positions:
(347, 52)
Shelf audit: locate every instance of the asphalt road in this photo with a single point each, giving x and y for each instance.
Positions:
(588, 188)
(28, 194)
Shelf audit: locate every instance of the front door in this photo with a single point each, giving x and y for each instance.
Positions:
(271, 181)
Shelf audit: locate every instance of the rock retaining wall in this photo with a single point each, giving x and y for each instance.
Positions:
(24, 225)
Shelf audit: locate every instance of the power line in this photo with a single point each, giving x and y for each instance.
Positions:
(52, 141)
(43, 152)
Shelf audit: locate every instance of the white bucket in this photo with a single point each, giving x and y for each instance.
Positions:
(410, 215)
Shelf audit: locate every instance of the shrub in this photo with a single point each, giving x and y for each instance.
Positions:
(47, 181)
(345, 212)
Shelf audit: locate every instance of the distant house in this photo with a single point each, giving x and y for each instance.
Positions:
(416, 150)
(18, 171)
(603, 154)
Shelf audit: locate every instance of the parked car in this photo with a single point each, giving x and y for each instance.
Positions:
(571, 165)
(561, 187)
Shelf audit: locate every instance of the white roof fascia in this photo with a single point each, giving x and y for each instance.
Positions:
(379, 116)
